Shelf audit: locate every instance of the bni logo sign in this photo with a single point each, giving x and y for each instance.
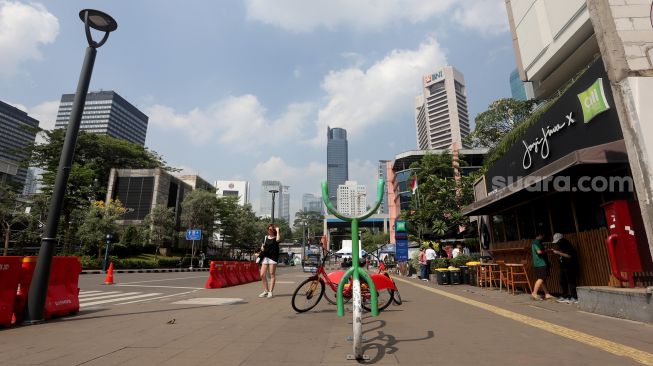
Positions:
(593, 101)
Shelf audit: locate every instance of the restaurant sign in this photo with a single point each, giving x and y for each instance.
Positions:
(564, 128)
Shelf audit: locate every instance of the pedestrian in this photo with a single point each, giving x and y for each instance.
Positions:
(422, 264)
(430, 257)
(568, 268)
(541, 267)
(202, 258)
(458, 250)
(270, 255)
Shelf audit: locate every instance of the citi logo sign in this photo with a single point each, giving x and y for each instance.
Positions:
(593, 101)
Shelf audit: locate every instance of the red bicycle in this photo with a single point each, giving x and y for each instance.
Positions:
(309, 293)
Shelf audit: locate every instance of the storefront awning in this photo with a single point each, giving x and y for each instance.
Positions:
(612, 152)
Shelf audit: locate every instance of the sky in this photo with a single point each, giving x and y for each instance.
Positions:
(245, 90)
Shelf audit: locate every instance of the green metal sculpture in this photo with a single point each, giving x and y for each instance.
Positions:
(355, 271)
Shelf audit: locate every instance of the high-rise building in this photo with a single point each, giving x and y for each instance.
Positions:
(239, 189)
(352, 198)
(337, 160)
(265, 210)
(285, 204)
(519, 89)
(15, 130)
(31, 182)
(441, 116)
(311, 202)
(383, 174)
(106, 113)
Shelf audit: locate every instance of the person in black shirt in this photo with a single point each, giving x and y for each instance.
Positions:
(568, 268)
(270, 258)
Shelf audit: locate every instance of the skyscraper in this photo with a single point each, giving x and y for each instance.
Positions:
(265, 209)
(352, 198)
(311, 202)
(106, 113)
(285, 204)
(337, 160)
(520, 90)
(15, 136)
(441, 116)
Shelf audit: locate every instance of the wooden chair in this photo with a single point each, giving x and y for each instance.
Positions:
(517, 275)
(499, 274)
(483, 275)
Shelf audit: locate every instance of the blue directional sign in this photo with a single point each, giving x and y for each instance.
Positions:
(401, 250)
(193, 234)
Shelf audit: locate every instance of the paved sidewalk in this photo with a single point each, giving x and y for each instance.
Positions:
(452, 325)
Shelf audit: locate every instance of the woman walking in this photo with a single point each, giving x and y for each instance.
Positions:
(270, 257)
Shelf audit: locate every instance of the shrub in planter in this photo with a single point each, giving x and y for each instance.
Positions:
(439, 263)
(460, 260)
(168, 262)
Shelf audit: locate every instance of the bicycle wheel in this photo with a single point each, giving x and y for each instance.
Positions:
(307, 295)
(332, 298)
(384, 298)
(396, 297)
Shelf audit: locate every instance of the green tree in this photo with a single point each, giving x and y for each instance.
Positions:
(435, 209)
(308, 223)
(501, 117)
(229, 220)
(159, 227)
(199, 211)
(371, 241)
(95, 155)
(8, 212)
(99, 220)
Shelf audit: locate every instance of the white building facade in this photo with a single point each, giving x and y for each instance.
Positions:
(441, 116)
(352, 198)
(238, 188)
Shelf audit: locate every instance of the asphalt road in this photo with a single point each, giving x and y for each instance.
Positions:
(436, 325)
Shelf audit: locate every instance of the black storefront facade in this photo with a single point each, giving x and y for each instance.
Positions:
(556, 178)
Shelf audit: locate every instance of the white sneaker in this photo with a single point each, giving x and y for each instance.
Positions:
(264, 294)
(270, 294)
(563, 300)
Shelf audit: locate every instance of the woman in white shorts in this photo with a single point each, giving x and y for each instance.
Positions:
(270, 255)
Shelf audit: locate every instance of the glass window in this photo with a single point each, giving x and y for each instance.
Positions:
(525, 220)
(498, 228)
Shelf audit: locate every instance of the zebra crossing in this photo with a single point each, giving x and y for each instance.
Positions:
(96, 298)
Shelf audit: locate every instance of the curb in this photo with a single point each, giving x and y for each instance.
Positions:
(149, 270)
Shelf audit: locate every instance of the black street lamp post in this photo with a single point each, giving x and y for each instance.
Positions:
(273, 191)
(39, 288)
(106, 252)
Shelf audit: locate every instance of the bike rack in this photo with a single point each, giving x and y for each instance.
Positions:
(355, 271)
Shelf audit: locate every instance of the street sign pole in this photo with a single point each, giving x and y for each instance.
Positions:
(192, 254)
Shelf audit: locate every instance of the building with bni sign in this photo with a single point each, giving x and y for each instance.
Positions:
(18, 130)
(106, 113)
(240, 189)
(441, 116)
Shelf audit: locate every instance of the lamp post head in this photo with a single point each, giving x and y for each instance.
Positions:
(100, 21)
(273, 191)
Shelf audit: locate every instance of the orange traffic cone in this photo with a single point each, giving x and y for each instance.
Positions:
(108, 280)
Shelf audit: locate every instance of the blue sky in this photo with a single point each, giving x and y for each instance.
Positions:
(245, 89)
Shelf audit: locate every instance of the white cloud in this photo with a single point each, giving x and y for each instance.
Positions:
(237, 121)
(358, 99)
(23, 28)
(365, 172)
(489, 17)
(305, 16)
(301, 179)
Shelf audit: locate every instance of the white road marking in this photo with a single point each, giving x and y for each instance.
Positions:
(186, 288)
(209, 301)
(107, 296)
(118, 299)
(167, 279)
(82, 292)
(156, 298)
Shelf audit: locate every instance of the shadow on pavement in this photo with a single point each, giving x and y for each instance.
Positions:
(382, 344)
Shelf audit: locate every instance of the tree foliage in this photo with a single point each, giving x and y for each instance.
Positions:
(309, 224)
(501, 117)
(435, 211)
(159, 227)
(98, 221)
(94, 157)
